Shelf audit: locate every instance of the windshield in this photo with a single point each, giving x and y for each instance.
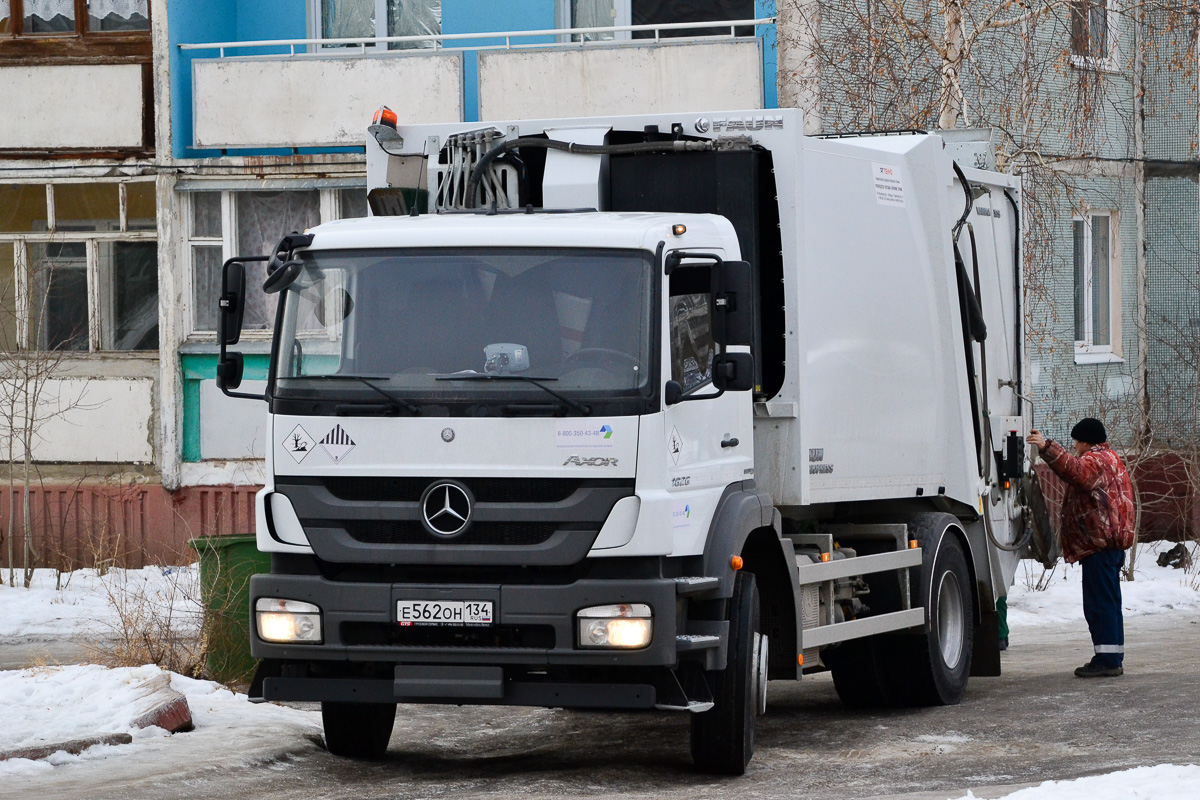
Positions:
(447, 327)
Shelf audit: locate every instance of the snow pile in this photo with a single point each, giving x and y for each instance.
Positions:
(54, 704)
(1154, 590)
(84, 605)
(1164, 782)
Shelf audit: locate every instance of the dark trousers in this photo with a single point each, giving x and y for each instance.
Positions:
(1102, 605)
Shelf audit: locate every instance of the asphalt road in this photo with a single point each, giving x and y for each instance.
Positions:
(1035, 723)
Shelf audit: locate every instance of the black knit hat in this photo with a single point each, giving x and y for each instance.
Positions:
(1089, 430)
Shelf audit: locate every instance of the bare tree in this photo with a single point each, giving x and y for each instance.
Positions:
(33, 388)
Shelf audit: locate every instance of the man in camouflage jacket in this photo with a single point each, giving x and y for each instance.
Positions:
(1097, 528)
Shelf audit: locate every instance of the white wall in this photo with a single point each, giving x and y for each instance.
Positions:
(85, 106)
(294, 102)
(632, 79)
(95, 420)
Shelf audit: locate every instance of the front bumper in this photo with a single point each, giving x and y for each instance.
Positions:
(367, 657)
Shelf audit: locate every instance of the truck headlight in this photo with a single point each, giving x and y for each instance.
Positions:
(287, 621)
(627, 626)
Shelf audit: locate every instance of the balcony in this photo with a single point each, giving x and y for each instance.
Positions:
(28, 95)
(321, 93)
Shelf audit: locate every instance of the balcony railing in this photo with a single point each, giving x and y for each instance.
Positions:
(320, 90)
(323, 46)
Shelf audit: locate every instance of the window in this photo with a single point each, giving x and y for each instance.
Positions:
(1094, 283)
(359, 19)
(59, 18)
(224, 224)
(692, 346)
(610, 13)
(78, 266)
(1093, 34)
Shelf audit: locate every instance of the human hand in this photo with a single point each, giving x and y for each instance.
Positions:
(1036, 439)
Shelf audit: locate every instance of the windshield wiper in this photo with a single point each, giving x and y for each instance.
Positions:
(582, 408)
(411, 408)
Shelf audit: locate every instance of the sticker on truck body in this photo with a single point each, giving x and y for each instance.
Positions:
(591, 435)
(337, 443)
(889, 188)
(298, 444)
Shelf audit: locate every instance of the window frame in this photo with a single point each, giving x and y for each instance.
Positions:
(101, 301)
(1108, 62)
(328, 210)
(315, 29)
(1085, 350)
(81, 44)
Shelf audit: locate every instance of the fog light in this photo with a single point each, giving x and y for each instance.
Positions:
(287, 621)
(626, 626)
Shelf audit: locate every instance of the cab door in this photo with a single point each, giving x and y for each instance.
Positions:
(709, 442)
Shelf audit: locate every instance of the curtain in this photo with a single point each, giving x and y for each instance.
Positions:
(262, 220)
(119, 15)
(347, 19)
(414, 18)
(592, 14)
(49, 16)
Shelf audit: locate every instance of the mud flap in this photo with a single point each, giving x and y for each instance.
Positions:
(985, 655)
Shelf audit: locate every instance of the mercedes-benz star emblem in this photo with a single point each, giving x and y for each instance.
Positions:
(446, 508)
(447, 434)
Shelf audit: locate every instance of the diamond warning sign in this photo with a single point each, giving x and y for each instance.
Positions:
(298, 444)
(337, 443)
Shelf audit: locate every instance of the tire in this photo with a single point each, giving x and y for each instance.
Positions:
(856, 676)
(723, 736)
(932, 669)
(358, 730)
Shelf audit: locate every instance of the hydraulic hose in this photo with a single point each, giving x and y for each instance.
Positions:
(970, 199)
(673, 146)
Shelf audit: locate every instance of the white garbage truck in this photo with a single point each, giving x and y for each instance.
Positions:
(639, 412)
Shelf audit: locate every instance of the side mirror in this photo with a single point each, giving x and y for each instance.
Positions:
(734, 303)
(282, 277)
(231, 306)
(229, 371)
(734, 372)
(672, 393)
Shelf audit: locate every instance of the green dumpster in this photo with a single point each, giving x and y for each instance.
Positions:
(226, 564)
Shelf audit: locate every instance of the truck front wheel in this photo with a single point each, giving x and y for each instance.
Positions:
(723, 736)
(358, 730)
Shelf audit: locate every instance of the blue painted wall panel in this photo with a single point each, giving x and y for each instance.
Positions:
(477, 16)
(192, 21)
(762, 10)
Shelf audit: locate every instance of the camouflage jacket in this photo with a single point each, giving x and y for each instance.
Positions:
(1098, 507)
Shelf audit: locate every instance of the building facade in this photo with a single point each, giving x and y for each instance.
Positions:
(196, 130)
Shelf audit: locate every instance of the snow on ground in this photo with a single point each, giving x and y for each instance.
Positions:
(1154, 590)
(81, 603)
(1164, 782)
(55, 704)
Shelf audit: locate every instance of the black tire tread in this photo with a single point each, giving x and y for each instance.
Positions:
(358, 730)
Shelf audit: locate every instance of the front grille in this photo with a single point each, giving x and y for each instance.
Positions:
(480, 533)
(486, 490)
(380, 634)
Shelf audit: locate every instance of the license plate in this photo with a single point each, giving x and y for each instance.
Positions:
(444, 612)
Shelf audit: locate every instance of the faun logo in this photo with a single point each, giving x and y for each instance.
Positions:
(748, 124)
(576, 461)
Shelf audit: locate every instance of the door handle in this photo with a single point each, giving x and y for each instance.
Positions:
(730, 442)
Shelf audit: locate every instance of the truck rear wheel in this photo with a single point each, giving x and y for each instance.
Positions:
(723, 736)
(856, 676)
(933, 669)
(358, 730)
